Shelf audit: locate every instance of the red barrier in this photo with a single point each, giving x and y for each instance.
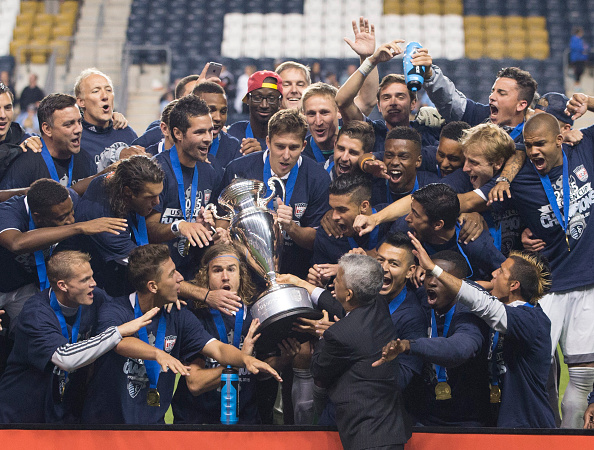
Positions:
(254, 440)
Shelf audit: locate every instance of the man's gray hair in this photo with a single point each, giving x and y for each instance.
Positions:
(363, 275)
(85, 74)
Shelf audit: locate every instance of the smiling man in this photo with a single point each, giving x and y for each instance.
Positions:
(264, 95)
(296, 79)
(47, 369)
(189, 181)
(61, 158)
(94, 94)
(448, 156)
(306, 184)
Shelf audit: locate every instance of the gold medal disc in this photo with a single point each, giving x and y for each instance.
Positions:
(443, 391)
(153, 398)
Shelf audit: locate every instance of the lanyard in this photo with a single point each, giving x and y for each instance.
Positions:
(439, 370)
(140, 233)
(39, 260)
(289, 186)
(222, 330)
(516, 131)
(58, 312)
(494, 229)
(330, 167)
(214, 147)
(373, 237)
(51, 166)
(430, 250)
(248, 131)
(549, 191)
(439, 171)
(389, 193)
(397, 301)
(180, 185)
(153, 368)
(316, 151)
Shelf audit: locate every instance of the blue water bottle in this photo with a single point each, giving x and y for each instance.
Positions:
(414, 75)
(229, 396)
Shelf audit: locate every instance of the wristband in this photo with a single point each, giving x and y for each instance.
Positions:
(437, 271)
(175, 227)
(500, 179)
(206, 296)
(366, 67)
(362, 164)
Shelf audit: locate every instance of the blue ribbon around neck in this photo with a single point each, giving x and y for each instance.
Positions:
(439, 370)
(51, 166)
(39, 261)
(517, 131)
(181, 192)
(316, 151)
(550, 192)
(248, 131)
(290, 184)
(330, 167)
(153, 368)
(63, 326)
(214, 147)
(222, 330)
(397, 301)
(140, 233)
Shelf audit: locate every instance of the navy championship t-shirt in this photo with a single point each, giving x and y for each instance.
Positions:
(309, 202)
(570, 269)
(185, 257)
(117, 392)
(30, 387)
(99, 141)
(238, 131)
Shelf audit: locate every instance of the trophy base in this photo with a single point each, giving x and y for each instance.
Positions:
(277, 309)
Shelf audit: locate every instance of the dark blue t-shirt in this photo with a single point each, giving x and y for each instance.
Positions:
(477, 113)
(206, 407)
(309, 202)
(30, 167)
(381, 193)
(169, 207)
(151, 135)
(237, 130)
(118, 390)
(30, 386)
(570, 269)
(19, 270)
(429, 162)
(97, 141)
(228, 151)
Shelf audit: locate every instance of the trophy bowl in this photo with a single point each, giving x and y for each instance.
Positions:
(256, 229)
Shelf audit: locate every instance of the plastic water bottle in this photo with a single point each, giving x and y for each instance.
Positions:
(414, 75)
(229, 396)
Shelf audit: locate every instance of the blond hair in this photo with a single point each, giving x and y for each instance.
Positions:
(494, 142)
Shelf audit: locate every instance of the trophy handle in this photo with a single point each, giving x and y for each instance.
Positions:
(211, 207)
(264, 201)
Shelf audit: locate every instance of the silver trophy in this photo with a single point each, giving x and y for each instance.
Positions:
(254, 226)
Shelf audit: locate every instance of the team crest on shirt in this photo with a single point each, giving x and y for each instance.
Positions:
(581, 172)
(300, 209)
(207, 193)
(169, 343)
(134, 387)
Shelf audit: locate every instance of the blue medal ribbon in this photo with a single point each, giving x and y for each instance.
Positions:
(494, 376)
(494, 229)
(439, 370)
(39, 261)
(397, 301)
(51, 166)
(389, 193)
(290, 184)
(373, 237)
(248, 131)
(140, 233)
(330, 167)
(153, 368)
(316, 151)
(439, 171)
(63, 326)
(214, 147)
(550, 192)
(222, 330)
(517, 131)
(430, 250)
(181, 192)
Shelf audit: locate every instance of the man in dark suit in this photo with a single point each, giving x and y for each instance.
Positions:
(368, 402)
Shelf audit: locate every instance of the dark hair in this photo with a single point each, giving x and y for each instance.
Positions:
(526, 84)
(440, 202)
(6, 90)
(533, 273)
(406, 134)
(392, 78)
(51, 103)
(144, 264)
(181, 84)
(287, 121)
(167, 111)
(401, 240)
(45, 193)
(186, 107)
(356, 185)
(362, 131)
(454, 130)
(247, 288)
(60, 264)
(459, 262)
(133, 173)
(208, 87)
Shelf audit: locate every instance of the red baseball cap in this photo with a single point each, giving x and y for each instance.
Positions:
(256, 81)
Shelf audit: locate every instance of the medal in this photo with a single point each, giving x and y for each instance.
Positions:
(153, 398)
(495, 394)
(443, 391)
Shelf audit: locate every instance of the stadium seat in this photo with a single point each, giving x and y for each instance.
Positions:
(411, 7)
(431, 7)
(538, 50)
(474, 49)
(473, 22)
(517, 22)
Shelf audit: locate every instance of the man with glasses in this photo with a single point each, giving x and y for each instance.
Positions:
(265, 89)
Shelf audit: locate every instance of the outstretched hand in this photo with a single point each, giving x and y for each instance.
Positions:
(391, 350)
(364, 44)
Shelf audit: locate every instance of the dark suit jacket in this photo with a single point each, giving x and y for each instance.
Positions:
(369, 409)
